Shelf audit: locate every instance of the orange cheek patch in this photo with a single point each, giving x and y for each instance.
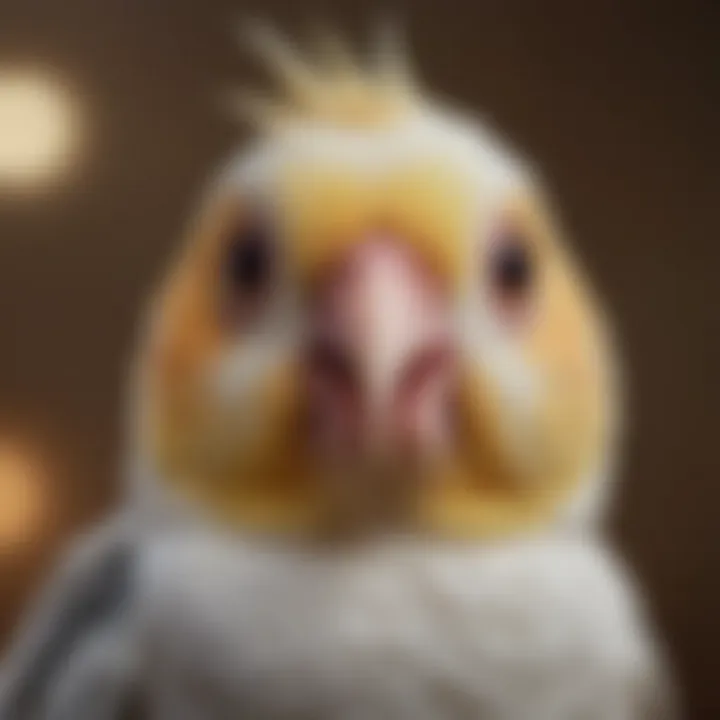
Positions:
(327, 209)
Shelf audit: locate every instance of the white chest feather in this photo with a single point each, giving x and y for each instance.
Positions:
(533, 630)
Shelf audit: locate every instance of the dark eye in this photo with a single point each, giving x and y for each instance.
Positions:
(512, 268)
(250, 260)
(512, 271)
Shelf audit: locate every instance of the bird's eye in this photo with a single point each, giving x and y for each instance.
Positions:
(512, 272)
(249, 262)
(249, 267)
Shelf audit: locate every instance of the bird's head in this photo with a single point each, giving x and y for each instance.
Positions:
(375, 319)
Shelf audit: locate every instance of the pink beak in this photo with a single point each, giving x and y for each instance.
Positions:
(381, 361)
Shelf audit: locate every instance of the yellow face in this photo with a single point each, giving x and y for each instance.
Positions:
(377, 326)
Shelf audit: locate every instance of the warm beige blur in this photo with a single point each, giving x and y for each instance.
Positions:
(23, 497)
(39, 129)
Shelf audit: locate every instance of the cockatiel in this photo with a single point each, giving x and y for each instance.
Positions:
(375, 413)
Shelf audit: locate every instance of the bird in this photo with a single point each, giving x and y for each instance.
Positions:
(374, 423)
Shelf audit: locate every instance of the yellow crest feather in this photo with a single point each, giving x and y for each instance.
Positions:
(331, 88)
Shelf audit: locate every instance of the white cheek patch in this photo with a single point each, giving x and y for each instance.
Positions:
(237, 376)
(257, 353)
(489, 342)
(236, 388)
(516, 383)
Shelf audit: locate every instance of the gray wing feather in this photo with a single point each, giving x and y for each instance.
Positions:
(82, 608)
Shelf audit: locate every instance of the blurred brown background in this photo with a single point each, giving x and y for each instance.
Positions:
(617, 101)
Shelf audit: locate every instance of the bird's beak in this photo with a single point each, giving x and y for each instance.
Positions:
(380, 358)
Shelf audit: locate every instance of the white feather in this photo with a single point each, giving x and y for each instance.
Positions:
(543, 629)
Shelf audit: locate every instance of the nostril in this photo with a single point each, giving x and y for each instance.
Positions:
(429, 364)
(330, 364)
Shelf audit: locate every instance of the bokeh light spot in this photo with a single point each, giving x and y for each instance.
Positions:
(23, 503)
(39, 129)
